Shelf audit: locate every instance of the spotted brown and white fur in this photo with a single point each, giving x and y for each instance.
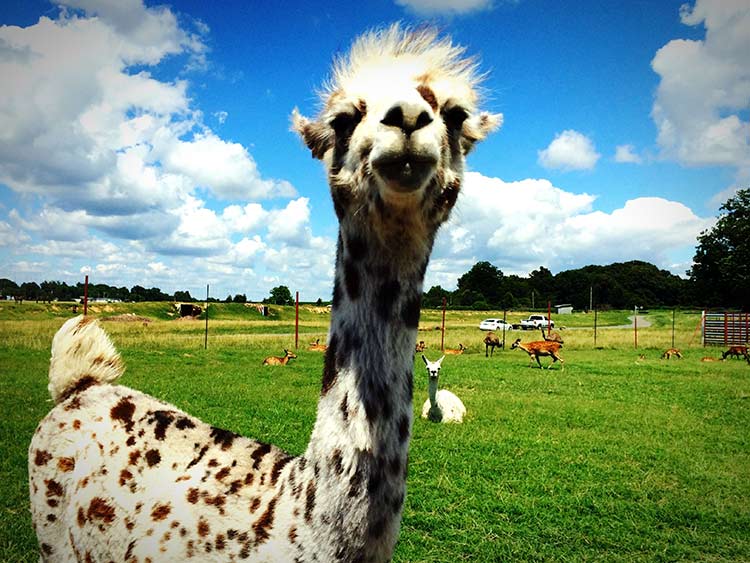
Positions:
(118, 475)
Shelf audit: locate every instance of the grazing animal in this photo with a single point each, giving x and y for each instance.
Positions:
(455, 351)
(420, 347)
(442, 405)
(490, 342)
(710, 359)
(540, 348)
(279, 361)
(736, 352)
(551, 336)
(115, 474)
(317, 346)
(671, 352)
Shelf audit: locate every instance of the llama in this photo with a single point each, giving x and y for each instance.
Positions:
(668, 353)
(490, 342)
(455, 351)
(442, 405)
(540, 348)
(118, 475)
(279, 361)
(317, 346)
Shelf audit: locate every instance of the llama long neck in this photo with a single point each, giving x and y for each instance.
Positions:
(432, 389)
(361, 436)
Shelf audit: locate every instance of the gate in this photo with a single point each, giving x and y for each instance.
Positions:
(726, 329)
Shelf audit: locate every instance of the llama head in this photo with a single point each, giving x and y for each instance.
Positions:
(433, 368)
(399, 116)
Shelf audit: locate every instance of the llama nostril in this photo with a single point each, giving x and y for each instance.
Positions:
(407, 122)
(394, 117)
(423, 120)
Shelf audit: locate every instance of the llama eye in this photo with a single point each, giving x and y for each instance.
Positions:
(345, 122)
(454, 117)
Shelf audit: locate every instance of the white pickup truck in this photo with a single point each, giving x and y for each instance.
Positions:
(536, 321)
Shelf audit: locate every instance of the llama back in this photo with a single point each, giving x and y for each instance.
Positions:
(82, 355)
(115, 474)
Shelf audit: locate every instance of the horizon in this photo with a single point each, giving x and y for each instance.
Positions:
(150, 144)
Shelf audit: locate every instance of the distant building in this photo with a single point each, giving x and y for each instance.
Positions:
(564, 309)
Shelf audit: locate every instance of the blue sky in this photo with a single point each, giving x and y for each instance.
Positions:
(149, 143)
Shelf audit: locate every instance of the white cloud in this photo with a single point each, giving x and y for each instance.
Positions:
(86, 132)
(290, 225)
(432, 7)
(627, 154)
(519, 226)
(244, 219)
(703, 96)
(570, 150)
(10, 237)
(226, 168)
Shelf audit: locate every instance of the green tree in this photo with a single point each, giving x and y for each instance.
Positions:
(721, 266)
(8, 287)
(280, 295)
(543, 283)
(484, 282)
(433, 299)
(183, 296)
(240, 298)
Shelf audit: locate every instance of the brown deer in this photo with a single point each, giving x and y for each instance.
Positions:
(277, 361)
(490, 342)
(541, 348)
(455, 352)
(420, 347)
(736, 351)
(671, 352)
(317, 346)
(710, 359)
(551, 336)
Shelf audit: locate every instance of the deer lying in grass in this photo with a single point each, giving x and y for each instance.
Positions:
(736, 352)
(317, 346)
(710, 359)
(490, 342)
(277, 361)
(671, 352)
(454, 352)
(541, 348)
(420, 347)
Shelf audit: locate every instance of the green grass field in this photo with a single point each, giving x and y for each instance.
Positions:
(616, 458)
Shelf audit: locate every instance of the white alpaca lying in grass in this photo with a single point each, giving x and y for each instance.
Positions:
(442, 406)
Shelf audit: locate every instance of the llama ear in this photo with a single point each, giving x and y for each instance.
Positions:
(440, 361)
(425, 359)
(477, 127)
(317, 136)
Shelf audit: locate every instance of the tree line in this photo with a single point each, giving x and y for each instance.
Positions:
(616, 286)
(61, 291)
(719, 278)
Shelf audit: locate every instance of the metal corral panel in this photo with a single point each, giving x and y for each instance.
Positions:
(726, 329)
